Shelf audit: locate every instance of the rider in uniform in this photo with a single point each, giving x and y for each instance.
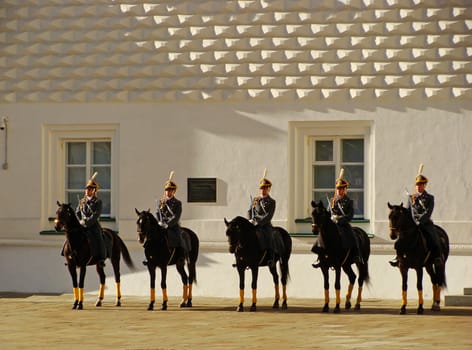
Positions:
(342, 212)
(88, 212)
(260, 214)
(169, 210)
(421, 205)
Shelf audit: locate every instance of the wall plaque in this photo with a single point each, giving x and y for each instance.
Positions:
(201, 190)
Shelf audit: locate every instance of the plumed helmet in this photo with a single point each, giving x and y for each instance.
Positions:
(170, 185)
(340, 182)
(91, 183)
(420, 178)
(264, 182)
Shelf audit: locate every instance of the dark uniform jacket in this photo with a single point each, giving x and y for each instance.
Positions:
(261, 211)
(169, 213)
(423, 205)
(343, 207)
(90, 210)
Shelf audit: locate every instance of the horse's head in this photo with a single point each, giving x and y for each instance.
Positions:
(145, 225)
(235, 230)
(398, 218)
(65, 216)
(319, 216)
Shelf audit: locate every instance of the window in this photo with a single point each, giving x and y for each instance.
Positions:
(332, 154)
(83, 158)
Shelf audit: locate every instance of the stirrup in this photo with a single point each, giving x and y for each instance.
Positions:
(394, 262)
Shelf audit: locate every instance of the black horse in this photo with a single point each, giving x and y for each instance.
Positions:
(158, 254)
(77, 254)
(243, 242)
(413, 253)
(335, 254)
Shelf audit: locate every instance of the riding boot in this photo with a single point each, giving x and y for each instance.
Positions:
(316, 264)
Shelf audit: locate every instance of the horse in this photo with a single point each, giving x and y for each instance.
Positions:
(413, 253)
(336, 255)
(159, 254)
(77, 255)
(244, 244)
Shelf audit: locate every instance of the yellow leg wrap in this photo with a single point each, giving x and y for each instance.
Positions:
(326, 295)
(284, 292)
(359, 295)
(404, 298)
(118, 289)
(190, 291)
(81, 294)
(152, 295)
(420, 297)
(101, 291)
(76, 293)
(185, 292)
(241, 296)
(164, 295)
(349, 291)
(277, 294)
(437, 293)
(338, 296)
(254, 296)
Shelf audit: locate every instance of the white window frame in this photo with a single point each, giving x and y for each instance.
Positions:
(301, 135)
(53, 181)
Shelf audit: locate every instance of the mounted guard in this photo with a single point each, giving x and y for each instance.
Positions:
(88, 212)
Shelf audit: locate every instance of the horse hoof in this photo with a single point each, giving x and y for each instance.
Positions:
(189, 303)
(325, 308)
(80, 306)
(275, 305)
(240, 308)
(403, 310)
(337, 309)
(151, 306)
(357, 307)
(348, 305)
(164, 306)
(420, 310)
(183, 304)
(284, 305)
(118, 302)
(75, 305)
(98, 303)
(253, 307)
(435, 307)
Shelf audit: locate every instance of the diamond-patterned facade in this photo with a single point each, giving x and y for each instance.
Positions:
(78, 51)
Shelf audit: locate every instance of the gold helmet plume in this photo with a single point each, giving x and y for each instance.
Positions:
(170, 185)
(264, 182)
(91, 183)
(340, 181)
(420, 178)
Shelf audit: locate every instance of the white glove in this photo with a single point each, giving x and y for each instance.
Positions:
(82, 222)
(334, 218)
(163, 224)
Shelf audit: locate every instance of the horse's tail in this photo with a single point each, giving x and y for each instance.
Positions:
(124, 251)
(285, 255)
(444, 243)
(364, 246)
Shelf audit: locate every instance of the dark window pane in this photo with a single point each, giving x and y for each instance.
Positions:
(76, 153)
(75, 177)
(323, 176)
(358, 199)
(322, 196)
(323, 151)
(353, 150)
(101, 153)
(105, 197)
(104, 176)
(73, 197)
(354, 174)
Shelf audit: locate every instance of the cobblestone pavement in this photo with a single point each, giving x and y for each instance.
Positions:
(48, 322)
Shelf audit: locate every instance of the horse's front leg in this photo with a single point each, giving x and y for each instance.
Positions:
(337, 288)
(324, 270)
(404, 273)
(275, 278)
(101, 290)
(241, 274)
(255, 273)
(184, 277)
(419, 288)
(152, 280)
(165, 299)
(82, 272)
(75, 286)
